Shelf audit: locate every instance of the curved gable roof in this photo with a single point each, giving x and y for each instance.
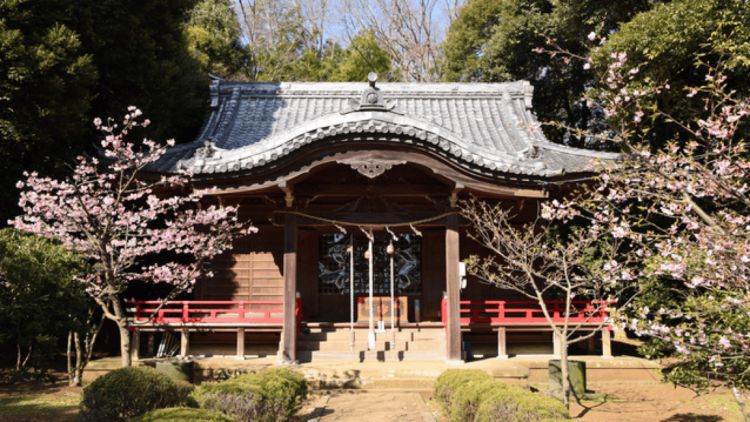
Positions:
(484, 127)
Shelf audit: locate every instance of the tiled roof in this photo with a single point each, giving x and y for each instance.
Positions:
(484, 127)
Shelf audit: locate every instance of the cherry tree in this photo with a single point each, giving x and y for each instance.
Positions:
(130, 225)
(568, 272)
(685, 207)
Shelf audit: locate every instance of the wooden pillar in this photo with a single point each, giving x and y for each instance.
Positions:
(135, 345)
(241, 343)
(591, 346)
(502, 343)
(452, 288)
(556, 345)
(184, 342)
(288, 345)
(151, 344)
(606, 343)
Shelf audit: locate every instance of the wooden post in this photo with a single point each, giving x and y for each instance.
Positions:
(452, 257)
(606, 343)
(241, 343)
(184, 342)
(556, 345)
(502, 343)
(151, 344)
(135, 345)
(288, 345)
(592, 343)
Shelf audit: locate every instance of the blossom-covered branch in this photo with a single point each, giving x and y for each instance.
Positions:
(131, 225)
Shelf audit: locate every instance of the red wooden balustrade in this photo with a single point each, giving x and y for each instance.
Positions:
(260, 312)
(526, 312)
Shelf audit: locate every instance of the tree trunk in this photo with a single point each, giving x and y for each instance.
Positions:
(21, 361)
(124, 344)
(565, 371)
(69, 354)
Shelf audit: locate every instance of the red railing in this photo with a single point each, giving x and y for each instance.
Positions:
(520, 312)
(260, 312)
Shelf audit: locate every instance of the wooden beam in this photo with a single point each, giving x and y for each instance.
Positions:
(453, 198)
(453, 330)
(411, 189)
(288, 193)
(295, 170)
(288, 345)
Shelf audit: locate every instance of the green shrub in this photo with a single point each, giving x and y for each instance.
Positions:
(449, 381)
(182, 414)
(465, 400)
(247, 407)
(514, 404)
(269, 395)
(184, 393)
(127, 392)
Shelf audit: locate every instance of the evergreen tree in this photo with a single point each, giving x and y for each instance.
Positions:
(142, 56)
(679, 42)
(493, 41)
(363, 55)
(213, 35)
(46, 83)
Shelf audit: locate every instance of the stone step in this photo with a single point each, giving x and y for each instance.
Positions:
(425, 345)
(346, 335)
(361, 338)
(398, 355)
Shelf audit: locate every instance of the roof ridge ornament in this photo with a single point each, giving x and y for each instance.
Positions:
(371, 99)
(207, 150)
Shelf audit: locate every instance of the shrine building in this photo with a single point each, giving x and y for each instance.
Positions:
(354, 189)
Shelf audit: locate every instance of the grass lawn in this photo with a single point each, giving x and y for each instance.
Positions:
(58, 403)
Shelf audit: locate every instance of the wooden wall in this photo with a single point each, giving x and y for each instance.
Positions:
(252, 271)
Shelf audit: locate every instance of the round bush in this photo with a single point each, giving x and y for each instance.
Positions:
(283, 390)
(449, 381)
(127, 392)
(466, 398)
(182, 414)
(514, 404)
(269, 395)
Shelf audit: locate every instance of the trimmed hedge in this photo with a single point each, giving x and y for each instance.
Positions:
(182, 414)
(270, 395)
(466, 399)
(127, 392)
(449, 381)
(518, 405)
(473, 395)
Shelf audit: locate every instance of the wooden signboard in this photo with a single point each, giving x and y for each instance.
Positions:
(382, 308)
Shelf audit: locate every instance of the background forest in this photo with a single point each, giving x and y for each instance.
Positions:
(65, 62)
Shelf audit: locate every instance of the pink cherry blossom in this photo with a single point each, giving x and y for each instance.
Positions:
(130, 228)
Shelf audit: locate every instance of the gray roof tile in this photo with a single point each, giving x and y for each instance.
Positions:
(484, 127)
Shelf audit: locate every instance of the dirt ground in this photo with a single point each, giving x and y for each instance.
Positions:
(361, 405)
(641, 401)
